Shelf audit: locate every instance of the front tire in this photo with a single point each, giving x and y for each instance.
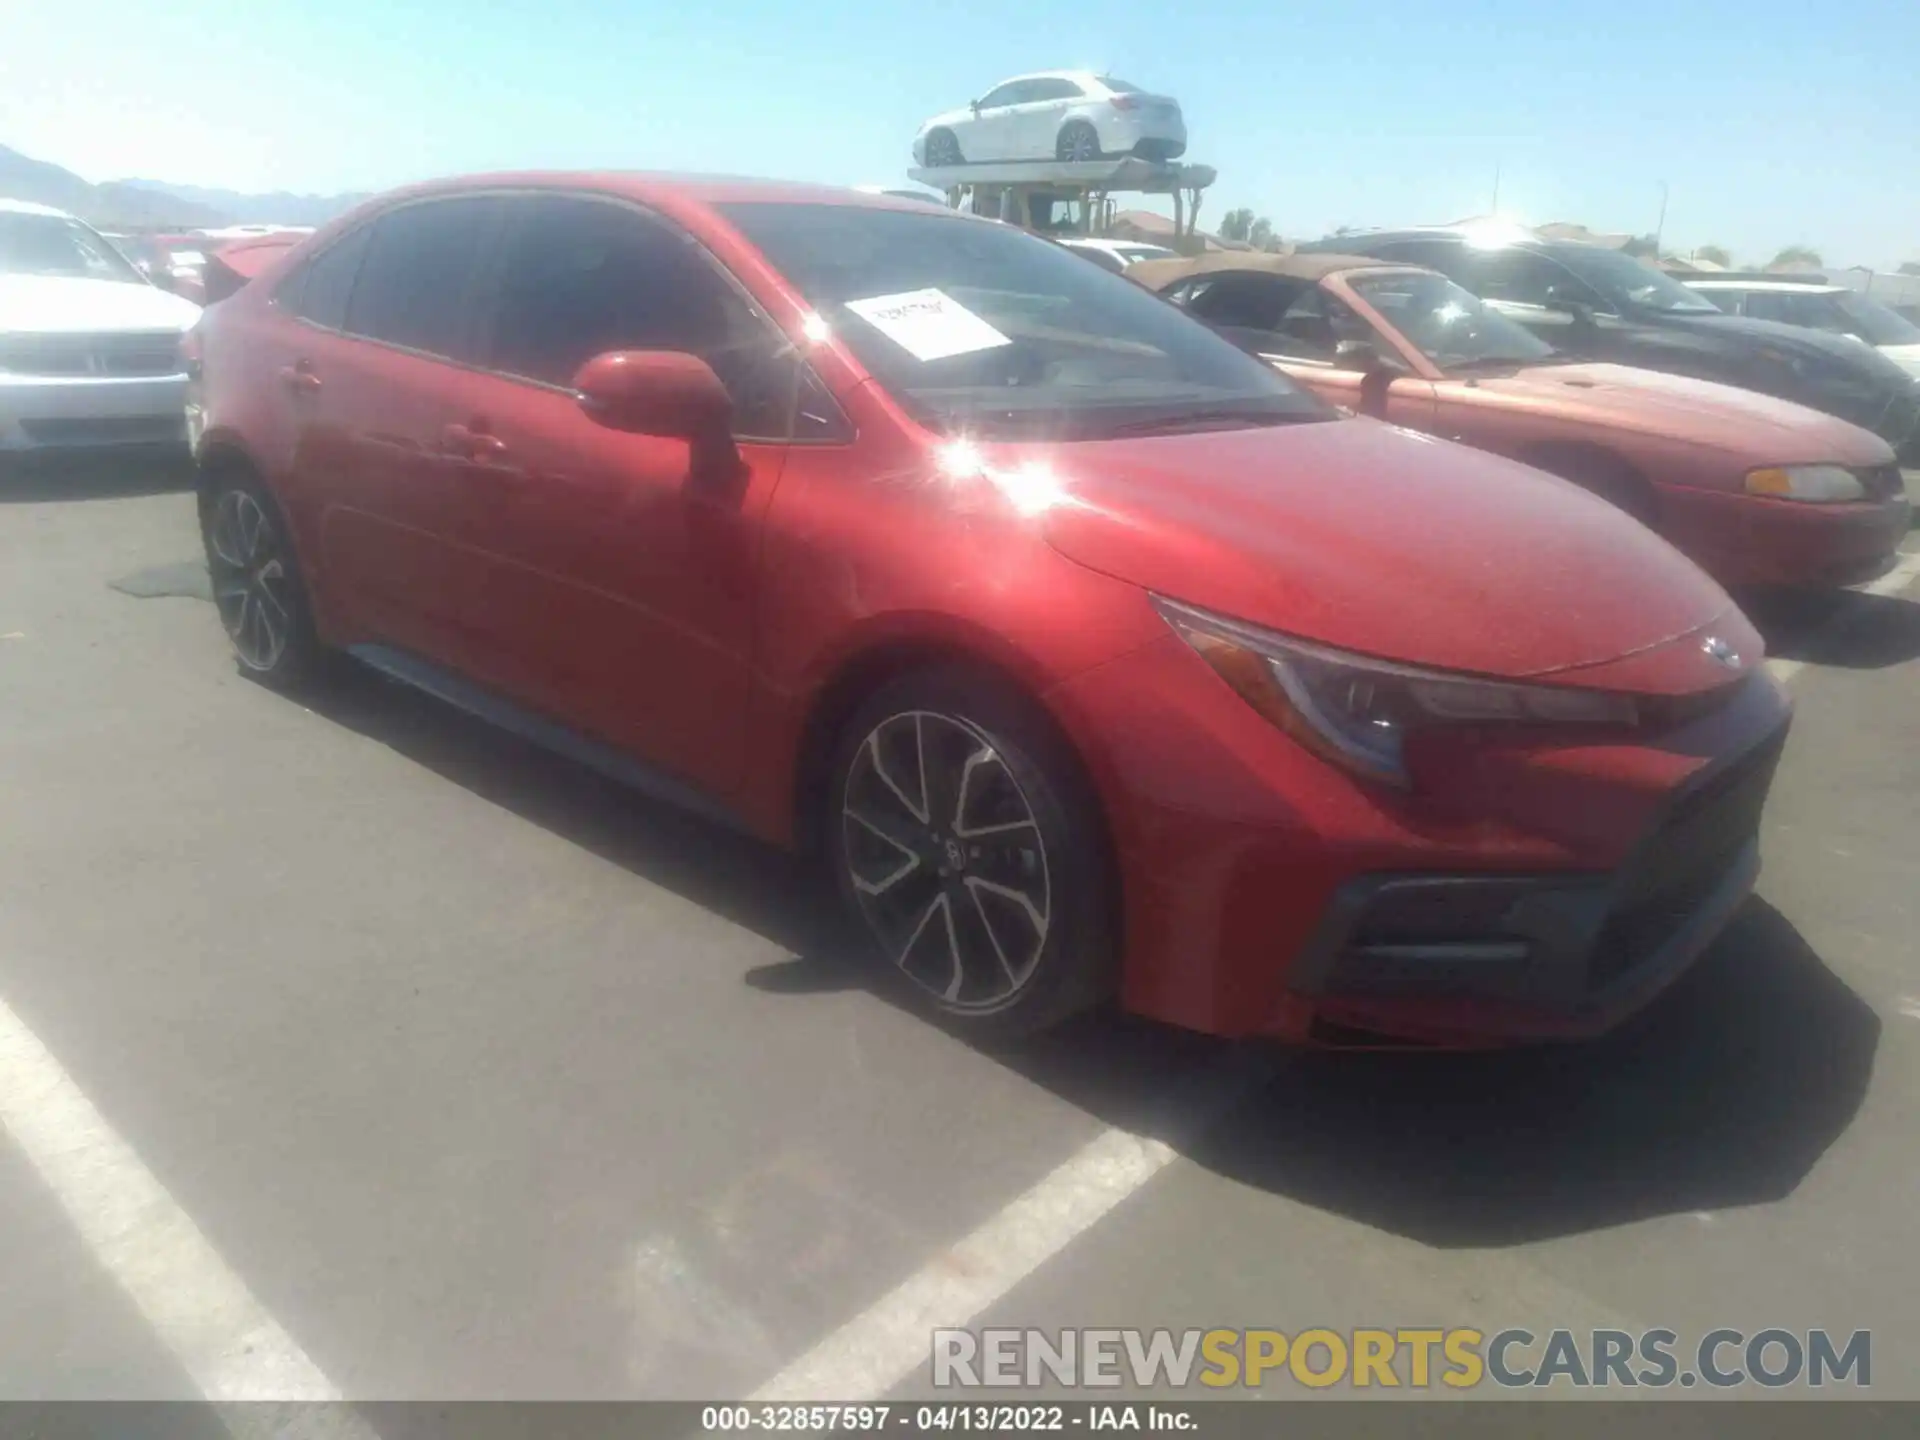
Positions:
(967, 847)
(257, 586)
(943, 150)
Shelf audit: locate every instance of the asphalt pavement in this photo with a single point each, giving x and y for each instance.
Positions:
(356, 1049)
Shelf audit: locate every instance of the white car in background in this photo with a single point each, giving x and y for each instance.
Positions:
(89, 348)
(1818, 306)
(1055, 115)
(1117, 255)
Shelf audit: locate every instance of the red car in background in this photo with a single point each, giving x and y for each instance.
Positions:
(1759, 491)
(1095, 656)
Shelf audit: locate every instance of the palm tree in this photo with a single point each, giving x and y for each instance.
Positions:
(1235, 224)
(1717, 254)
(1797, 255)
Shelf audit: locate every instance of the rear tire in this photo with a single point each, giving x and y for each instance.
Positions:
(967, 847)
(258, 589)
(1078, 142)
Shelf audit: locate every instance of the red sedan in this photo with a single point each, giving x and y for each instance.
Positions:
(1097, 657)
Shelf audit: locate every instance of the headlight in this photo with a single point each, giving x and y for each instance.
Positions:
(1818, 483)
(1356, 711)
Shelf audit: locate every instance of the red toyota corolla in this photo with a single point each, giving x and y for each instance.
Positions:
(1097, 657)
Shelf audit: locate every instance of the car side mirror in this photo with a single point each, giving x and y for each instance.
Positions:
(654, 392)
(672, 395)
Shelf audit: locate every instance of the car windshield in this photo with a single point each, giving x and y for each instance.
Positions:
(979, 328)
(1447, 324)
(1876, 324)
(55, 245)
(1626, 282)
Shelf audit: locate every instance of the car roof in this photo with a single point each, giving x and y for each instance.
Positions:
(1093, 75)
(1816, 287)
(667, 189)
(28, 207)
(1155, 274)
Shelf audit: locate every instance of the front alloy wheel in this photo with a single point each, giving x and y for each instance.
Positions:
(251, 584)
(946, 860)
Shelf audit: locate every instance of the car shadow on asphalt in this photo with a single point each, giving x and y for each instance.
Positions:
(37, 479)
(1850, 629)
(1724, 1093)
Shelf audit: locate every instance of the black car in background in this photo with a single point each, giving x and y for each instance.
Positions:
(1598, 304)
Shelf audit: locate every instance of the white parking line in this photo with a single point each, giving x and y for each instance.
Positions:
(1891, 583)
(885, 1344)
(230, 1346)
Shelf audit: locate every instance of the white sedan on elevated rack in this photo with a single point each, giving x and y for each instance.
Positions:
(1072, 115)
(89, 349)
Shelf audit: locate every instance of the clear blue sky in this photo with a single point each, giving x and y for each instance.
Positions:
(1772, 123)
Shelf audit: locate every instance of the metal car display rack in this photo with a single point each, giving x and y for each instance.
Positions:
(1029, 193)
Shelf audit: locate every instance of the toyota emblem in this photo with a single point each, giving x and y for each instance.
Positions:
(1720, 652)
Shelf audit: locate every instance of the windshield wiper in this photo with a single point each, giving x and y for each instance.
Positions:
(1208, 417)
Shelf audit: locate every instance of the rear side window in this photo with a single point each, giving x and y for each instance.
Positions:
(413, 284)
(321, 291)
(1727, 300)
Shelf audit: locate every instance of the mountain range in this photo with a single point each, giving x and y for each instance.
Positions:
(156, 204)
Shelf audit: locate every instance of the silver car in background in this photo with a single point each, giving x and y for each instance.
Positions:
(1071, 115)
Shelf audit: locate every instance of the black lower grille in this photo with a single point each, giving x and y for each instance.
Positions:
(1682, 863)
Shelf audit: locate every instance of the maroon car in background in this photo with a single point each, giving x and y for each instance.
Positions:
(1759, 491)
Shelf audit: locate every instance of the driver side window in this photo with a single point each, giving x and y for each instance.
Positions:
(580, 276)
(1521, 277)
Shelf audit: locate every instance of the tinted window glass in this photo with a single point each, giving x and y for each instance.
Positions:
(414, 282)
(1053, 90)
(1022, 337)
(580, 277)
(319, 293)
(1449, 326)
(1000, 95)
(1727, 300)
(1524, 278)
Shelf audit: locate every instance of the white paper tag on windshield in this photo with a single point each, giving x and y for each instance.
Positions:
(928, 324)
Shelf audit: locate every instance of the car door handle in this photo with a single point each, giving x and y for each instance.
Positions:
(299, 379)
(472, 444)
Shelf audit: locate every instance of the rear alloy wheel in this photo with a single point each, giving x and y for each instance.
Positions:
(1078, 142)
(256, 585)
(970, 860)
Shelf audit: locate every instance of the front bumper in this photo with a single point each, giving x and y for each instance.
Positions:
(1483, 959)
(1748, 540)
(1532, 885)
(76, 413)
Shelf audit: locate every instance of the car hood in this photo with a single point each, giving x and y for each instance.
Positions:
(947, 117)
(1745, 423)
(57, 304)
(1907, 357)
(1816, 345)
(1378, 540)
